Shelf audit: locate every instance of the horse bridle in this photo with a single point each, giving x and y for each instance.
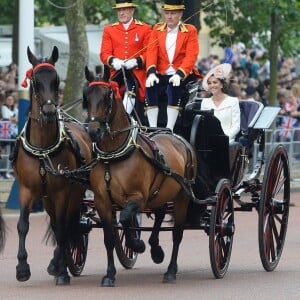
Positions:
(30, 74)
(113, 92)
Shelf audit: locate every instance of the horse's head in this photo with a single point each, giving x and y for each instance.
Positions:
(44, 84)
(99, 99)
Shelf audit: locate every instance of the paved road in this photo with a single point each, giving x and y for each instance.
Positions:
(245, 279)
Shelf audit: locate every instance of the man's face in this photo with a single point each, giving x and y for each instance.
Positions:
(125, 14)
(172, 17)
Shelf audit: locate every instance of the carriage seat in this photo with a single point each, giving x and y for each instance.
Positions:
(250, 112)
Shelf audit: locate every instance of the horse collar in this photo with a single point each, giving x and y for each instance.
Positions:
(42, 152)
(124, 151)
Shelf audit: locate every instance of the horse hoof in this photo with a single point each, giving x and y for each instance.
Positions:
(23, 274)
(138, 246)
(63, 280)
(157, 254)
(108, 282)
(169, 278)
(52, 269)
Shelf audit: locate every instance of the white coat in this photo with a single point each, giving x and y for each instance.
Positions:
(228, 112)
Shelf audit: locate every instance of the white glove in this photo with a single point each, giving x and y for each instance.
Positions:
(117, 63)
(175, 79)
(152, 78)
(130, 63)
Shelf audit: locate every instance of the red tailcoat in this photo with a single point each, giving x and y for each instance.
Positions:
(126, 44)
(186, 51)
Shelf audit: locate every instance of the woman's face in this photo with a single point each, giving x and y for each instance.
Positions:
(214, 85)
(10, 100)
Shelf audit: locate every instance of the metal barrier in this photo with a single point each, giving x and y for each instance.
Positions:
(291, 140)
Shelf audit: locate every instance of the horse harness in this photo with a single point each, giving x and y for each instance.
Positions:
(157, 160)
(44, 154)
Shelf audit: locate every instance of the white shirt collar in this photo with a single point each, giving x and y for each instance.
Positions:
(126, 25)
(174, 30)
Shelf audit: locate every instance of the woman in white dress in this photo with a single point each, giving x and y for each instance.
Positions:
(226, 108)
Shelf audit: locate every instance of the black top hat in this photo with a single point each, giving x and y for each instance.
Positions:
(124, 4)
(173, 5)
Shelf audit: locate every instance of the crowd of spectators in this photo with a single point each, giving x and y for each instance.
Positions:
(8, 113)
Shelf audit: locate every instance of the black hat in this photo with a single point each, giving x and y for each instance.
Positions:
(173, 5)
(124, 4)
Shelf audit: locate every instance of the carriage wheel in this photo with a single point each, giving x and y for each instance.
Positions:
(76, 255)
(126, 255)
(221, 230)
(274, 208)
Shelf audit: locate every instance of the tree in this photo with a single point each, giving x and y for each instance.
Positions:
(79, 55)
(275, 21)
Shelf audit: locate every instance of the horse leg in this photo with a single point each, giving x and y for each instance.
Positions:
(157, 253)
(109, 241)
(62, 276)
(180, 211)
(126, 215)
(23, 268)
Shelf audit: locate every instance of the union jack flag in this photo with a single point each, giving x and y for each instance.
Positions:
(6, 129)
(287, 124)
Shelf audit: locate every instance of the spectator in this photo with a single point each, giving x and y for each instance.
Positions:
(251, 93)
(11, 77)
(252, 65)
(10, 112)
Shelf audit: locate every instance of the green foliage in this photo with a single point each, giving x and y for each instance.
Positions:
(237, 20)
(7, 11)
(96, 12)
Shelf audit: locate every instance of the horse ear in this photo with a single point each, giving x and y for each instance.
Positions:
(54, 56)
(106, 73)
(31, 57)
(89, 74)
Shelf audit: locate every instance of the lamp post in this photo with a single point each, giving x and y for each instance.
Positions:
(26, 38)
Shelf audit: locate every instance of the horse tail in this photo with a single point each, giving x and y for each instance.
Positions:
(49, 236)
(72, 234)
(2, 232)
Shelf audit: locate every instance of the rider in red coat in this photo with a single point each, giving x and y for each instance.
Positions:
(170, 62)
(124, 44)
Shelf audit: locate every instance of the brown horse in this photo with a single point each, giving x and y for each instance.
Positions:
(48, 141)
(135, 172)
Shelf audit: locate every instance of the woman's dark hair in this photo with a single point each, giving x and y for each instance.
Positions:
(226, 87)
